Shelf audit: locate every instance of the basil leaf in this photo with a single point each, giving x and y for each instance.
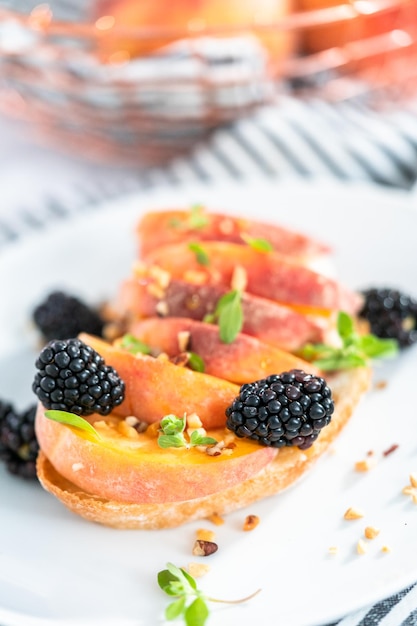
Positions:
(71, 419)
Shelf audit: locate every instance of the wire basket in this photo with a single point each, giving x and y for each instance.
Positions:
(109, 104)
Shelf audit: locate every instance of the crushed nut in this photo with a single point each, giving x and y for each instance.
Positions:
(413, 480)
(193, 421)
(251, 522)
(216, 519)
(381, 384)
(183, 340)
(352, 513)
(204, 534)
(112, 330)
(126, 430)
(333, 550)
(204, 548)
(365, 465)
(371, 532)
(215, 450)
(239, 279)
(197, 570)
(180, 359)
(408, 490)
(226, 226)
(385, 549)
(161, 276)
(195, 277)
(361, 547)
(162, 308)
(139, 426)
(155, 290)
(414, 497)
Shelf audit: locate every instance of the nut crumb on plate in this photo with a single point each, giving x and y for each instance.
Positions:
(371, 532)
(196, 570)
(352, 513)
(204, 548)
(361, 547)
(251, 522)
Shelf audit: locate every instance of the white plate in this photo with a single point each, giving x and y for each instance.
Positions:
(57, 568)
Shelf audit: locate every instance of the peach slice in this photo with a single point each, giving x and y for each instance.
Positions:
(268, 321)
(242, 361)
(265, 274)
(137, 470)
(160, 228)
(156, 387)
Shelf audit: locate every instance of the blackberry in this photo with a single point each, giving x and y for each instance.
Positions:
(18, 444)
(287, 409)
(61, 316)
(391, 315)
(73, 377)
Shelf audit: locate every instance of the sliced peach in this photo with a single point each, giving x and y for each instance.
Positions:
(156, 387)
(137, 469)
(266, 274)
(269, 321)
(243, 360)
(159, 228)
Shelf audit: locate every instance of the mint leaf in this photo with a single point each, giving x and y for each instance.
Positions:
(195, 362)
(229, 314)
(197, 613)
(200, 254)
(171, 424)
(71, 419)
(134, 345)
(172, 441)
(196, 439)
(355, 351)
(258, 244)
(197, 218)
(175, 609)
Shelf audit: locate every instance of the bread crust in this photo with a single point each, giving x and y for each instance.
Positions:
(288, 466)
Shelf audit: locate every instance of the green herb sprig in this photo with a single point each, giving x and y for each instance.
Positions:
(195, 220)
(356, 350)
(201, 255)
(134, 345)
(229, 315)
(190, 602)
(71, 419)
(257, 243)
(172, 436)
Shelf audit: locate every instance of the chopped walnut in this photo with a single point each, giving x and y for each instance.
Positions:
(204, 548)
(183, 340)
(193, 421)
(155, 290)
(216, 519)
(127, 431)
(162, 308)
(161, 276)
(197, 570)
(371, 532)
(352, 514)
(413, 480)
(361, 547)
(239, 279)
(205, 534)
(365, 464)
(215, 450)
(251, 522)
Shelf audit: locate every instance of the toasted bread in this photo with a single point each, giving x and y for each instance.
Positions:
(288, 466)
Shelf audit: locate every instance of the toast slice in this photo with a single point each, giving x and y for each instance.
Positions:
(289, 465)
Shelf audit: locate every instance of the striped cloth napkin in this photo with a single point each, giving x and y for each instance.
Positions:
(291, 140)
